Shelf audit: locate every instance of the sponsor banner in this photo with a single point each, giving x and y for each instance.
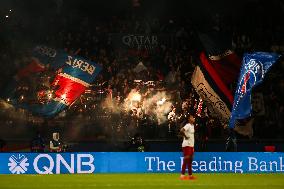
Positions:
(147, 42)
(137, 162)
(52, 163)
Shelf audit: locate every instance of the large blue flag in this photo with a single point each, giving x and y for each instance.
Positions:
(253, 71)
(74, 75)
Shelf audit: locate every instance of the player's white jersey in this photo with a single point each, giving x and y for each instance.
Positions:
(189, 133)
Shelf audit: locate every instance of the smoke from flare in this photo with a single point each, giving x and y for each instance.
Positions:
(156, 106)
(132, 100)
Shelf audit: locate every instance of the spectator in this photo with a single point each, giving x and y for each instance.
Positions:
(38, 144)
(2, 145)
(137, 144)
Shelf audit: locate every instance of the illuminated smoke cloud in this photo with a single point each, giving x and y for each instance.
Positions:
(111, 105)
(132, 101)
(156, 106)
(159, 105)
(8, 111)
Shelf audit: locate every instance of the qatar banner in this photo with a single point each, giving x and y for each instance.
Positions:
(141, 41)
(137, 162)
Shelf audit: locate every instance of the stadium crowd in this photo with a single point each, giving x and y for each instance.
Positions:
(166, 67)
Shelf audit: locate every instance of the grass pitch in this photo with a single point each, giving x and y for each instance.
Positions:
(147, 181)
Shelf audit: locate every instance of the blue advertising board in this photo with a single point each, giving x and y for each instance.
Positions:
(135, 162)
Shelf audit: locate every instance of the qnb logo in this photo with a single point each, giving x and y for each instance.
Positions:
(18, 164)
(47, 164)
(52, 163)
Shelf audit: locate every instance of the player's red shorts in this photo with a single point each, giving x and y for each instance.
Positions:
(188, 151)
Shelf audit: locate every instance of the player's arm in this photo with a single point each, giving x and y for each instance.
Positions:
(182, 133)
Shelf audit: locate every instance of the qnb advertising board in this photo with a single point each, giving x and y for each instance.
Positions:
(119, 162)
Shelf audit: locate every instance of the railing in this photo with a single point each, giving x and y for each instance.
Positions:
(164, 145)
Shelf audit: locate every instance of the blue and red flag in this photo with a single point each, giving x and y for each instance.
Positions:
(74, 75)
(254, 68)
(77, 75)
